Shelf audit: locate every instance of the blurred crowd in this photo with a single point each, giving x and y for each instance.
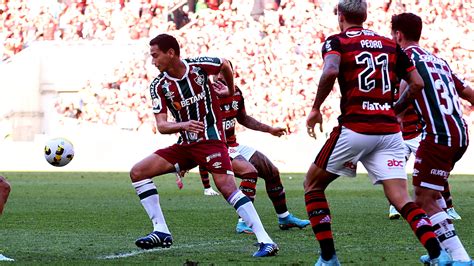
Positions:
(277, 55)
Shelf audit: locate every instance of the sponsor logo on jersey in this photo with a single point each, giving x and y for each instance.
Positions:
(439, 172)
(228, 124)
(213, 156)
(375, 106)
(432, 59)
(193, 99)
(394, 163)
(352, 33)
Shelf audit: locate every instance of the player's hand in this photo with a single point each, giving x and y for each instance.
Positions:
(277, 131)
(192, 126)
(314, 118)
(221, 89)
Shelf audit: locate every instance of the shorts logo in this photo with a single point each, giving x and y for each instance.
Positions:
(439, 172)
(394, 163)
(349, 165)
(212, 156)
(415, 172)
(217, 165)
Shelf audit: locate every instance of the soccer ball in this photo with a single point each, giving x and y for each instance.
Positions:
(58, 152)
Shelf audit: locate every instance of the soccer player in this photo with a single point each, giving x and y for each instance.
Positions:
(367, 66)
(248, 163)
(444, 135)
(4, 193)
(183, 88)
(411, 131)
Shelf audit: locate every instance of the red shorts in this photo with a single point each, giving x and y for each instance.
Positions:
(212, 154)
(433, 163)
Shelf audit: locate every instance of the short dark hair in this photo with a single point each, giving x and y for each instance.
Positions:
(409, 24)
(355, 11)
(166, 42)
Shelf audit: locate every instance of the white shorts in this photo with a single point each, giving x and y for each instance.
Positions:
(411, 145)
(381, 155)
(243, 150)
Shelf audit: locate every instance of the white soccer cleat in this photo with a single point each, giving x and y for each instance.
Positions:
(210, 192)
(453, 215)
(393, 214)
(3, 258)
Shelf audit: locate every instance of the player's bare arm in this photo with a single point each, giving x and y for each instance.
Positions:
(326, 83)
(249, 122)
(468, 94)
(228, 76)
(415, 86)
(166, 127)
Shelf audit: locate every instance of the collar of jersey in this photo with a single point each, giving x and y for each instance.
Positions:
(185, 72)
(354, 27)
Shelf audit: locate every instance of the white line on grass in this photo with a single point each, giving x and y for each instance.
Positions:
(142, 251)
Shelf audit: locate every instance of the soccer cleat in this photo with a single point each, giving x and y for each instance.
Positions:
(393, 214)
(291, 221)
(210, 192)
(444, 259)
(154, 240)
(243, 228)
(462, 263)
(4, 258)
(266, 250)
(453, 215)
(334, 261)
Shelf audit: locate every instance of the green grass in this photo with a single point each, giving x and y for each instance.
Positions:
(81, 218)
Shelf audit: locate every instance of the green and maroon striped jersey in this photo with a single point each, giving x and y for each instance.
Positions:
(191, 98)
(439, 104)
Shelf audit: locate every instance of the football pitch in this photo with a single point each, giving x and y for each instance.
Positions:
(94, 218)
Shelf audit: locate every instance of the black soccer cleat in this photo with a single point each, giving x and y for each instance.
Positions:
(155, 240)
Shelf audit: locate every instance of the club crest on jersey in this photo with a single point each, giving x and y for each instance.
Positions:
(235, 105)
(199, 80)
(156, 104)
(166, 85)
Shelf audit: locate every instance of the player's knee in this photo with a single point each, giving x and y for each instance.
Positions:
(136, 173)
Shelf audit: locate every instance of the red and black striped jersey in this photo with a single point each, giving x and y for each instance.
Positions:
(191, 97)
(231, 108)
(438, 103)
(411, 124)
(370, 65)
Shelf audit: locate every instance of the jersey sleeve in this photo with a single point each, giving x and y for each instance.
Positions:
(241, 102)
(403, 65)
(212, 65)
(332, 45)
(157, 98)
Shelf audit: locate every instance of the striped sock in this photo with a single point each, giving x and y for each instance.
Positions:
(320, 217)
(446, 234)
(248, 185)
(146, 191)
(277, 195)
(246, 210)
(447, 196)
(421, 226)
(204, 177)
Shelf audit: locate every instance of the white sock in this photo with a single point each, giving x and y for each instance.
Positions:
(150, 200)
(444, 230)
(283, 215)
(441, 203)
(247, 211)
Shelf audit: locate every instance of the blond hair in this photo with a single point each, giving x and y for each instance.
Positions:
(355, 11)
